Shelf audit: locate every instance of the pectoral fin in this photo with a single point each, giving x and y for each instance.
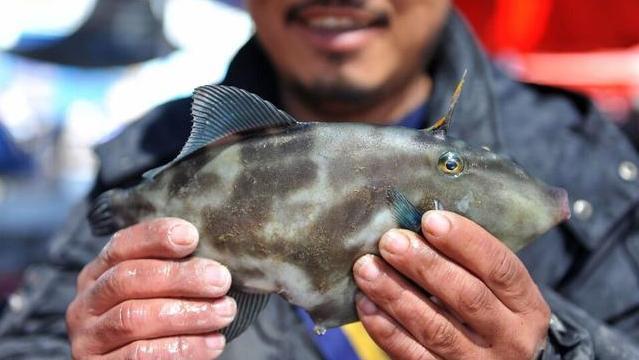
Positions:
(407, 215)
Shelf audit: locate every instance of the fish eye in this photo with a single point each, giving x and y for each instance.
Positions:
(450, 164)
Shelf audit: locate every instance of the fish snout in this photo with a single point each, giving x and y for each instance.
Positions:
(560, 198)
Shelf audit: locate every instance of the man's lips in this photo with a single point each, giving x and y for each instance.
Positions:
(337, 18)
(337, 28)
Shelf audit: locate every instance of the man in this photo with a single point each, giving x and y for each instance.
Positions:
(386, 62)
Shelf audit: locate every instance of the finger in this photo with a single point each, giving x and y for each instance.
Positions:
(179, 347)
(149, 278)
(148, 319)
(461, 292)
(165, 238)
(388, 334)
(474, 248)
(435, 330)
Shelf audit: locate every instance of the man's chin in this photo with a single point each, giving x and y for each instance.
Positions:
(336, 96)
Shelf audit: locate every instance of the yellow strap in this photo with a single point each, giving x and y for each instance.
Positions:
(363, 345)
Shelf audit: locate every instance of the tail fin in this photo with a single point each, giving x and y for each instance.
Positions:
(105, 216)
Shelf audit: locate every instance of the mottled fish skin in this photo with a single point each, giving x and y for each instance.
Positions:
(289, 211)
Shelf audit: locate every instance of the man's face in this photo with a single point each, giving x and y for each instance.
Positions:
(347, 50)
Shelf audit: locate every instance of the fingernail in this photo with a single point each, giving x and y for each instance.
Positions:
(394, 242)
(366, 306)
(366, 269)
(215, 341)
(216, 275)
(183, 234)
(225, 307)
(436, 223)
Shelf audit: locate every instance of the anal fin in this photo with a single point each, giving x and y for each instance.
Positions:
(249, 306)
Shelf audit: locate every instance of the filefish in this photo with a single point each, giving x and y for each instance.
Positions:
(289, 206)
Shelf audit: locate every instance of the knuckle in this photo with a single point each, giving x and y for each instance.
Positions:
(174, 348)
(528, 346)
(169, 270)
(182, 347)
(475, 299)
(523, 349)
(83, 278)
(545, 313)
(394, 298)
(537, 309)
(388, 332)
(108, 255)
(111, 282)
(71, 316)
(543, 324)
(141, 350)
(85, 347)
(128, 319)
(505, 272)
(136, 352)
(420, 354)
(440, 335)
(428, 259)
(407, 349)
(77, 350)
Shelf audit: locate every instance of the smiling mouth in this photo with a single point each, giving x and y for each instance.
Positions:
(336, 19)
(337, 29)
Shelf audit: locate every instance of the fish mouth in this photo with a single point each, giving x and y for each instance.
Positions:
(560, 196)
(337, 26)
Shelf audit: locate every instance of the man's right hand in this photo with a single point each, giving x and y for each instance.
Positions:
(143, 297)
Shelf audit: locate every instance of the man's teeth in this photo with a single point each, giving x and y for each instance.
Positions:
(334, 23)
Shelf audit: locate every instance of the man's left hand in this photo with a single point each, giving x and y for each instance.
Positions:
(458, 294)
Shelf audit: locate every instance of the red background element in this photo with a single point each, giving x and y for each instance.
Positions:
(591, 46)
(553, 25)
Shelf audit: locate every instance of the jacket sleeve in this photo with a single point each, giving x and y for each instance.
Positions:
(574, 335)
(33, 324)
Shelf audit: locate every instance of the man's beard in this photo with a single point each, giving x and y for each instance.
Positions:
(334, 98)
(340, 99)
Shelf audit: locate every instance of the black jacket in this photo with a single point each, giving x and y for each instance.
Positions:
(588, 268)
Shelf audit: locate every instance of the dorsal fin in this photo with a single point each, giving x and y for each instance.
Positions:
(219, 111)
(441, 126)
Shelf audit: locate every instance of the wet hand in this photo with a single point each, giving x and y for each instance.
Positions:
(459, 294)
(143, 297)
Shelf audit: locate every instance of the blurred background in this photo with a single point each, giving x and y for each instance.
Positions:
(73, 73)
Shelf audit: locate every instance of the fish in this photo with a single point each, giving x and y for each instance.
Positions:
(288, 206)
